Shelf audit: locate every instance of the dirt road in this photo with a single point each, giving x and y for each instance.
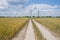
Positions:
(30, 32)
(27, 33)
(45, 32)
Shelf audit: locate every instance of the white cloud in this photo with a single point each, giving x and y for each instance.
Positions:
(44, 6)
(20, 6)
(44, 9)
(3, 4)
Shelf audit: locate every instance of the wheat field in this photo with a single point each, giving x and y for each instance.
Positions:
(52, 23)
(10, 26)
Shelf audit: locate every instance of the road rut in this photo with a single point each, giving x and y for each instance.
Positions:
(45, 32)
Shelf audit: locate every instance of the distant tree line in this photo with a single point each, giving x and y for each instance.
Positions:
(30, 16)
(14, 16)
(47, 16)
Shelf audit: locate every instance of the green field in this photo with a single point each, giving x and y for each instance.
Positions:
(10, 26)
(51, 23)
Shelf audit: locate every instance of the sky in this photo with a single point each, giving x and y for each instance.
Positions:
(25, 7)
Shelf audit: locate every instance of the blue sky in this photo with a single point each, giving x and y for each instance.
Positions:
(23, 7)
(52, 2)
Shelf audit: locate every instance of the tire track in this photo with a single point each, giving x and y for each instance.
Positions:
(30, 32)
(45, 32)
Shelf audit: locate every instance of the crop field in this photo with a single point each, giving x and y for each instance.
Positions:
(51, 23)
(10, 26)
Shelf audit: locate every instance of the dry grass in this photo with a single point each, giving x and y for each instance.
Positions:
(52, 23)
(10, 26)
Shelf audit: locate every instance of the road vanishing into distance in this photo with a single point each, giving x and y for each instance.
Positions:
(27, 33)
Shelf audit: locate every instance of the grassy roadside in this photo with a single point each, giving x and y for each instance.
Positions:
(37, 32)
(52, 23)
(11, 26)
